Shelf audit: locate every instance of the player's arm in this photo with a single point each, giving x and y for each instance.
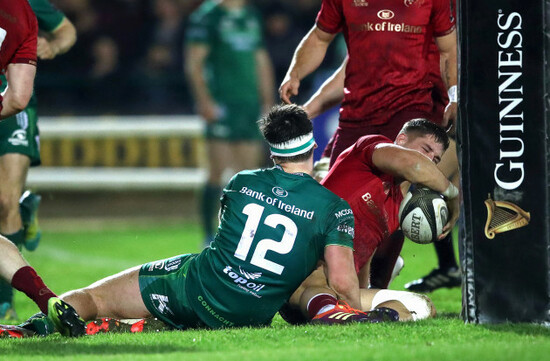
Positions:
(195, 59)
(329, 94)
(58, 41)
(266, 78)
(308, 56)
(415, 167)
(20, 78)
(341, 276)
(447, 46)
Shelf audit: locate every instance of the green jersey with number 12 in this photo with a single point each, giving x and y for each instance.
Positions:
(273, 229)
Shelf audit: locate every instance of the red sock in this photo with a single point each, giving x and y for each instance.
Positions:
(26, 280)
(319, 301)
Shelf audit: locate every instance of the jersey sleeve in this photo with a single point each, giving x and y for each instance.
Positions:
(49, 17)
(443, 19)
(199, 30)
(367, 146)
(330, 18)
(26, 52)
(340, 223)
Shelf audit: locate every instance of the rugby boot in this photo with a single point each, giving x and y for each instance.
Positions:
(12, 331)
(343, 313)
(40, 324)
(112, 325)
(437, 278)
(65, 318)
(28, 207)
(7, 312)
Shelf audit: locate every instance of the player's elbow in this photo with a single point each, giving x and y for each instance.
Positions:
(19, 101)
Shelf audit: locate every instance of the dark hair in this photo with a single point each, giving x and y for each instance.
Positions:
(422, 127)
(285, 122)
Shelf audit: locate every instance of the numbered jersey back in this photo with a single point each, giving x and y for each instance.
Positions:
(274, 228)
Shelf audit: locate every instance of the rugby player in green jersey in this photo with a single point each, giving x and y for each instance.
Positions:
(231, 77)
(276, 224)
(19, 147)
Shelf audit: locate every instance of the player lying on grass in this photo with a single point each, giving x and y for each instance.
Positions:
(275, 225)
(372, 176)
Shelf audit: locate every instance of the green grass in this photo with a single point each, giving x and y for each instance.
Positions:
(74, 258)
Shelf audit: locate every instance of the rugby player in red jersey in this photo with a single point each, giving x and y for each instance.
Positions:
(386, 78)
(372, 176)
(390, 76)
(18, 37)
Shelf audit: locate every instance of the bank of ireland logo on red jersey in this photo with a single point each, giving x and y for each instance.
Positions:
(385, 14)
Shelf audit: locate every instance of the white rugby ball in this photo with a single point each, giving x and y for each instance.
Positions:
(422, 215)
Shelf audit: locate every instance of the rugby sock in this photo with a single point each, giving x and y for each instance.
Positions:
(210, 197)
(445, 253)
(26, 280)
(320, 303)
(6, 292)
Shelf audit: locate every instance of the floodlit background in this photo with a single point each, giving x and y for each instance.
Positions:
(119, 134)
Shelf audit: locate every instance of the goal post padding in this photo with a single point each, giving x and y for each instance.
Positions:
(503, 141)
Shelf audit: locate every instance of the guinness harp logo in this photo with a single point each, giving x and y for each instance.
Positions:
(504, 216)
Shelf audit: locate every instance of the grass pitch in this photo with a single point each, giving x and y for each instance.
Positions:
(71, 258)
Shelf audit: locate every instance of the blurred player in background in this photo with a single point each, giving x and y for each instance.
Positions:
(19, 147)
(232, 80)
(385, 89)
(275, 225)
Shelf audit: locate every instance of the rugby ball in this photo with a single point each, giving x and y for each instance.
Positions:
(422, 215)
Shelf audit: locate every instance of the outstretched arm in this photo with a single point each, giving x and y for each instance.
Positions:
(308, 56)
(329, 94)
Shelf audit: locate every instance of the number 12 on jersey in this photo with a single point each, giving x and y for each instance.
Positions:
(284, 246)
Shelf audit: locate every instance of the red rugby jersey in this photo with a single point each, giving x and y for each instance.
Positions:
(388, 43)
(18, 32)
(372, 195)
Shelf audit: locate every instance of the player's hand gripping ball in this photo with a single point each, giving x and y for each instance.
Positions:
(422, 215)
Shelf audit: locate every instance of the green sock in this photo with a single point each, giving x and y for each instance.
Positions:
(210, 199)
(6, 291)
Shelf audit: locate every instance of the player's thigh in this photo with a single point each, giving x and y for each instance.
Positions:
(119, 295)
(13, 173)
(220, 154)
(248, 155)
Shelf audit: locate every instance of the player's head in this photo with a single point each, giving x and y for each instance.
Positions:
(424, 136)
(289, 133)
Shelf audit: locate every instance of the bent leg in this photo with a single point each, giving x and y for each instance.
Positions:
(410, 306)
(116, 296)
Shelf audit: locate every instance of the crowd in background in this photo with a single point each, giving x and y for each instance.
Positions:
(128, 58)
